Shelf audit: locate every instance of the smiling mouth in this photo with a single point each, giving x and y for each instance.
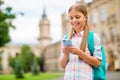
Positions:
(76, 24)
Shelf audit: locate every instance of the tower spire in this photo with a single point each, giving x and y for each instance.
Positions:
(44, 16)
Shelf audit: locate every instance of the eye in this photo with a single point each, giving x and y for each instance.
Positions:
(71, 18)
(78, 17)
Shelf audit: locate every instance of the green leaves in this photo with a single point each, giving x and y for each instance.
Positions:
(1, 2)
(5, 24)
(26, 58)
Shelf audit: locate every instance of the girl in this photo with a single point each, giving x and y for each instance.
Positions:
(76, 59)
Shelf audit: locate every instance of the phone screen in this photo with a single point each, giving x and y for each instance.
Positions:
(67, 42)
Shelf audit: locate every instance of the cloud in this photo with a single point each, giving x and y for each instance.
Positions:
(26, 29)
(24, 4)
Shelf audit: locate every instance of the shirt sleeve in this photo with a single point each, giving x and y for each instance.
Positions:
(97, 44)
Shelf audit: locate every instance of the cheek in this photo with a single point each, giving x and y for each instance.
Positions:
(82, 21)
(71, 22)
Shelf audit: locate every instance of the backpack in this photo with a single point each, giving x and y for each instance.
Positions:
(99, 73)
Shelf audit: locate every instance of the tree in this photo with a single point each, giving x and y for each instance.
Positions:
(26, 58)
(1, 68)
(18, 68)
(40, 61)
(12, 61)
(35, 67)
(6, 17)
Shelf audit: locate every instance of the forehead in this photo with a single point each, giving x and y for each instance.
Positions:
(74, 12)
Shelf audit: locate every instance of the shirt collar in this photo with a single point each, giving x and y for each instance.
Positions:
(81, 33)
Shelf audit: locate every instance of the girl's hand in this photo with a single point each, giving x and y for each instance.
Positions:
(73, 49)
(65, 51)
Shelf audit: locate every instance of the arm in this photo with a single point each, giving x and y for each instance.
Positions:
(64, 57)
(64, 61)
(84, 56)
(95, 60)
(89, 59)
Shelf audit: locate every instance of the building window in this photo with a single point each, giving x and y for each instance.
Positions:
(95, 18)
(89, 17)
(103, 14)
(112, 34)
(103, 36)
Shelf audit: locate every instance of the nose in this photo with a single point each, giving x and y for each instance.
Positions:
(74, 20)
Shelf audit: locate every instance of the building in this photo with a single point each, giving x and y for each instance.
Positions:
(51, 56)
(104, 19)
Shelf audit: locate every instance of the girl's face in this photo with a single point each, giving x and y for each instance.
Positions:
(77, 20)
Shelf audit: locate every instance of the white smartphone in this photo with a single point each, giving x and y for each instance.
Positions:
(67, 42)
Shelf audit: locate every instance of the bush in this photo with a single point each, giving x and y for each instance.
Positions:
(18, 69)
(26, 58)
(1, 68)
(34, 68)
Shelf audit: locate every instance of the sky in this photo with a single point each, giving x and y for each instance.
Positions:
(27, 26)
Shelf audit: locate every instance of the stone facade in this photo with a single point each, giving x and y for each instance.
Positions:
(104, 19)
(6, 52)
(51, 55)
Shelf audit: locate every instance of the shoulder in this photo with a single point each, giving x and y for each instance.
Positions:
(94, 34)
(96, 37)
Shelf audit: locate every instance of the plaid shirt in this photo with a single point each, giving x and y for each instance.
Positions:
(77, 69)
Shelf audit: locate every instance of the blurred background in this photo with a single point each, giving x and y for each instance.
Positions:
(31, 32)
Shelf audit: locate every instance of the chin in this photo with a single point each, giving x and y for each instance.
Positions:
(77, 27)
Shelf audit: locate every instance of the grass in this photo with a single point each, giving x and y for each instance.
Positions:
(30, 76)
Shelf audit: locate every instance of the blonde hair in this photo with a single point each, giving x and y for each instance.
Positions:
(82, 8)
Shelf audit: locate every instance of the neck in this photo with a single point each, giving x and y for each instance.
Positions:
(78, 31)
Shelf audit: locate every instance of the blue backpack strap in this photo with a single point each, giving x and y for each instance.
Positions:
(99, 73)
(91, 42)
(66, 36)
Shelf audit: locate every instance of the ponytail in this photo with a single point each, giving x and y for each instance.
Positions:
(85, 37)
